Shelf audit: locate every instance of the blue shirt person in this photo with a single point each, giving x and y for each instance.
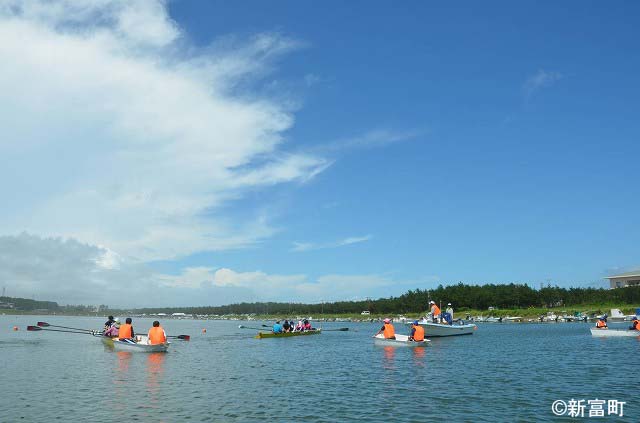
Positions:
(277, 328)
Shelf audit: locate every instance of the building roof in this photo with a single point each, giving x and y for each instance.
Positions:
(624, 275)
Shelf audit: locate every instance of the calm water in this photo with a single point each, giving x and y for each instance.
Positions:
(508, 372)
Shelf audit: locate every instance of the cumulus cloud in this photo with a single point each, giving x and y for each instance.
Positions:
(130, 138)
(540, 80)
(308, 246)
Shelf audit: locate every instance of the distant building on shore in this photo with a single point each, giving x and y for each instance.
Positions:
(625, 279)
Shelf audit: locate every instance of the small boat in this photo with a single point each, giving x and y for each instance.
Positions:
(436, 329)
(607, 333)
(140, 345)
(261, 335)
(400, 341)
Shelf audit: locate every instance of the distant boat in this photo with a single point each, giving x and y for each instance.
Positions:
(437, 330)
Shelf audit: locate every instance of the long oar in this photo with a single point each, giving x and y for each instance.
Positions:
(37, 328)
(45, 324)
(248, 327)
(340, 330)
(183, 337)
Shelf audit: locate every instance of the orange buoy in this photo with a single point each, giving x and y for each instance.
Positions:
(15, 328)
(204, 331)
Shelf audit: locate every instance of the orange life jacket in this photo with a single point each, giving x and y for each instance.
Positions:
(418, 335)
(636, 324)
(125, 331)
(435, 310)
(157, 336)
(601, 324)
(389, 331)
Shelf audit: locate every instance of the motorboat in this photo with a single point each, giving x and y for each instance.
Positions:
(438, 329)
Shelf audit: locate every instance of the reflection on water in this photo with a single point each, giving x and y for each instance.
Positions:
(389, 355)
(155, 370)
(419, 353)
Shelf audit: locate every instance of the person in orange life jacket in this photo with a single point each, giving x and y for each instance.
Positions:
(635, 324)
(387, 329)
(126, 331)
(601, 323)
(417, 332)
(157, 334)
(435, 312)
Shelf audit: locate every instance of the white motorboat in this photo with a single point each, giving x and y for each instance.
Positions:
(611, 333)
(436, 329)
(400, 341)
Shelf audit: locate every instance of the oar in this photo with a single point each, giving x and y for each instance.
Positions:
(340, 329)
(248, 327)
(183, 337)
(45, 324)
(37, 328)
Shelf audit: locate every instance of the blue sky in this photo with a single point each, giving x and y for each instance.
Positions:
(210, 152)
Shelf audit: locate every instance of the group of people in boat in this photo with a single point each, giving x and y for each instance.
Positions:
(125, 332)
(290, 326)
(437, 316)
(601, 323)
(389, 332)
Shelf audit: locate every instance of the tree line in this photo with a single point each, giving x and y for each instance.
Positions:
(462, 296)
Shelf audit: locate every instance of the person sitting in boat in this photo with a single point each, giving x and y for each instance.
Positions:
(635, 324)
(125, 332)
(110, 322)
(602, 323)
(299, 327)
(277, 327)
(286, 327)
(446, 318)
(306, 325)
(157, 334)
(417, 332)
(435, 312)
(112, 331)
(387, 329)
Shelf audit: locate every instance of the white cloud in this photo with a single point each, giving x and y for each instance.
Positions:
(308, 246)
(372, 139)
(541, 79)
(126, 135)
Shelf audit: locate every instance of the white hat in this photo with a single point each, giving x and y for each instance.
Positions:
(117, 320)
(431, 302)
(449, 304)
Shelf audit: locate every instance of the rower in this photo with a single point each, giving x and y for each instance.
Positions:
(387, 329)
(286, 327)
(306, 325)
(417, 332)
(112, 330)
(601, 323)
(635, 324)
(277, 327)
(157, 335)
(126, 331)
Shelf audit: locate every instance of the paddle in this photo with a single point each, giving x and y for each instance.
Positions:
(183, 337)
(45, 324)
(37, 328)
(340, 330)
(248, 327)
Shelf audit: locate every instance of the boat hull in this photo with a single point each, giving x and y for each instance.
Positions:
(400, 341)
(433, 330)
(142, 345)
(614, 333)
(261, 335)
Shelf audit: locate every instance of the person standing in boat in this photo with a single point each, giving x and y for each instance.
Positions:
(157, 334)
(417, 332)
(126, 331)
(450, 310)
(277, 327)
(601, 323)
(387, 329)
(435, 312)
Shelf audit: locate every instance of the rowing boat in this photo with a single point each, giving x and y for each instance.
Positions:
(141, 344)
(607, 333)
(261, 335)
(400, 341)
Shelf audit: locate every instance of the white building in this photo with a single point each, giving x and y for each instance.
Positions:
(625, 279)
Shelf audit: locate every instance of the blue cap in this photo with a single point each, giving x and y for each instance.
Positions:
(415, 322)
